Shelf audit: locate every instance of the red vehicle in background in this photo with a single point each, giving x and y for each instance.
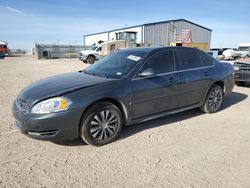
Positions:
(3, 48)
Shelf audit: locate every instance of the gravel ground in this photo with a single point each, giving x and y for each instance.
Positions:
(189, 149)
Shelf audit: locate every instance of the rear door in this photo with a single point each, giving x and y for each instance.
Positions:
(157, 93)
(195, 76)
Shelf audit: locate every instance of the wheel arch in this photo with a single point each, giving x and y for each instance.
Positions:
(220, 83)
(91, 55)
(118, 103)
(203, 104)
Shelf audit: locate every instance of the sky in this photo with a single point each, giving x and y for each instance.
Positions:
(26, 22)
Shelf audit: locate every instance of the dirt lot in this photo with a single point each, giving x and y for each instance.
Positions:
(190, 149)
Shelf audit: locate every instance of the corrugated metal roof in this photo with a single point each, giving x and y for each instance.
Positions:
(113, 30)
(178, 20)
(153, 23)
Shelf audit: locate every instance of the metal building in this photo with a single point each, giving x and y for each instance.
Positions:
(165, 33)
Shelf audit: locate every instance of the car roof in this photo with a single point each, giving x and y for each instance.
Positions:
(156, 48)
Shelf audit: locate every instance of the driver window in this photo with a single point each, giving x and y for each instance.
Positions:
(161, 63)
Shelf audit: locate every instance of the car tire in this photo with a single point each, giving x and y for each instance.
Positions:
(240, 83)
(213, 100)
(90, 59)
(101, 124)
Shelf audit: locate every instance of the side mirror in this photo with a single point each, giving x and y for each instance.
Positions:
(147, 72)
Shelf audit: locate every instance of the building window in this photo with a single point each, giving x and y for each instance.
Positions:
(128, 36)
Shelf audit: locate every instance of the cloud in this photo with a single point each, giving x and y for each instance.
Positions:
(23, 31)
(16, 11)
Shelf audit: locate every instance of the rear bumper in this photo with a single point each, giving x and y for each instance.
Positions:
(229, 84)
(55, 126)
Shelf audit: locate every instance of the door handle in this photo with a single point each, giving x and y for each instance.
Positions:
(172, 80)
(207, 73)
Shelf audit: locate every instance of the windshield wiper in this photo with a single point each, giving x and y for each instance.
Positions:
(102, 75)
(96, 74)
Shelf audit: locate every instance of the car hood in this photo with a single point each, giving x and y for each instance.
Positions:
(58, 85)
(241, 62)
(88, 52)
(242, 52)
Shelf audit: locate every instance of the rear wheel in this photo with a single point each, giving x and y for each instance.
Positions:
(102, 124)
(90, 59)
(214, 99)
(238, 83)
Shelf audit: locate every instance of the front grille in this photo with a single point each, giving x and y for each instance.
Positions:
(23, 104)
(243, 66)
(43, 133)
(242, 76)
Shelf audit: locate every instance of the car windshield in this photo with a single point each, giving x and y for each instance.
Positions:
(220, 52)
(94, 47)
(243, 48)
(116, 65)
(3, 46)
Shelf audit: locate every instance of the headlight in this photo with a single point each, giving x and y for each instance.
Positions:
(236, 67)
(56, 104)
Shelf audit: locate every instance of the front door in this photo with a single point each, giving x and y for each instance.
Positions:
(158, 92)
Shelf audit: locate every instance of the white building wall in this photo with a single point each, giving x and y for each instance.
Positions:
(91, 39)
(112, 35)
(109, 36)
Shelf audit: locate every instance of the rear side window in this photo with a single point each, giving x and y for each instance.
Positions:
(161, 63)
(187, 59)
(207, 60)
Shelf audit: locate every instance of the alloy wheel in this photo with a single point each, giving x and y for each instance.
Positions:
(215, 99)
(103, 125)
(91, 60)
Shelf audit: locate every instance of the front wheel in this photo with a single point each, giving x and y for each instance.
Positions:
(90, 59)
(102, 124)
(214, 99)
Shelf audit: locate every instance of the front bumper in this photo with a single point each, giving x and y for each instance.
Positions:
(242, 76)
(83, 58)
(54, 126)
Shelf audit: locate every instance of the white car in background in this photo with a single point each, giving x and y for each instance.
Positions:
(91, 55)
(243, 50)
(230, 54)
(217, 53)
